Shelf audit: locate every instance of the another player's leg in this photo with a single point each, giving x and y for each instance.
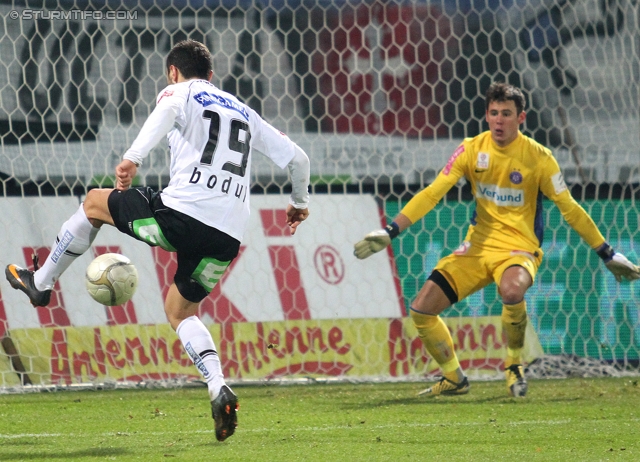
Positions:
(74, 238)
(199, 345)
(436, 337)
(514, 324)
(23, 279)
(437, 340)
(513, 285)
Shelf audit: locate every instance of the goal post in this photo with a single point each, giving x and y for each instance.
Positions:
(379, 94)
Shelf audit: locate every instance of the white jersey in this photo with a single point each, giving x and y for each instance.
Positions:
(212, 141)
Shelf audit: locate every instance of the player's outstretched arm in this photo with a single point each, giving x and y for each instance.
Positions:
(618, 264)
(299, 170)
(378, 240)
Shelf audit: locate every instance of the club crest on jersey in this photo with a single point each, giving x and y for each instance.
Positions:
(483, 160)
(515, 177)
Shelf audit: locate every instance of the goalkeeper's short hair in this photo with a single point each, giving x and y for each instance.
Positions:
(501, 92)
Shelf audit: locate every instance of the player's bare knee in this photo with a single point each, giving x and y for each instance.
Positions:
(90, 204)
(421, 302)
(431, 299)
(512, 292)
(96, 207)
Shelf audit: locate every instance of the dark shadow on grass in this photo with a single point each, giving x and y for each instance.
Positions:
(92, 452)
(563, 399)
(450, 400)
(29, 442)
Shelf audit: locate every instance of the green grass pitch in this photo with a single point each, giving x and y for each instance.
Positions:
(567, 420)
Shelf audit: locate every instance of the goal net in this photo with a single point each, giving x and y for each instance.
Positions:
(379, 94)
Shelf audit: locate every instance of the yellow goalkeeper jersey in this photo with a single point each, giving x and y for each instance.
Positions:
(508, 184)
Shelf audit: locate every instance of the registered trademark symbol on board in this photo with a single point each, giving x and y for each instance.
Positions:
(329, 264)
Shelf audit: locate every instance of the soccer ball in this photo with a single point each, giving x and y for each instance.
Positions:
(111, 279)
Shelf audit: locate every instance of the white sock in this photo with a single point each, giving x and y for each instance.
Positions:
(74, 239)
(199, 345)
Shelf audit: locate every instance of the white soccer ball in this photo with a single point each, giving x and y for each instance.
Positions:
(111, 279)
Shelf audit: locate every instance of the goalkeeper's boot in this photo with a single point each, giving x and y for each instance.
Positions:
(447, 387)
(22, 279)
(223, 409)
(516, 383)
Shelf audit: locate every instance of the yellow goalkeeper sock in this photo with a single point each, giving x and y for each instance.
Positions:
(436, 338)
(514, 324)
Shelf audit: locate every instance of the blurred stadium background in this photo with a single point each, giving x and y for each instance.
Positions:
(378, 94)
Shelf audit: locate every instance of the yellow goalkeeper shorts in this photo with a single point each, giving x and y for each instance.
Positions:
(470, 268)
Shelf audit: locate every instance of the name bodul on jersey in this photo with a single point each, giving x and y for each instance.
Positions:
(226, 185)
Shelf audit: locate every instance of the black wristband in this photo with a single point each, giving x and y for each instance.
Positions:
(606, 252)
(392, 229)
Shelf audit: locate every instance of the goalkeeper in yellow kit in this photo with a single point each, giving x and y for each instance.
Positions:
(508, 173)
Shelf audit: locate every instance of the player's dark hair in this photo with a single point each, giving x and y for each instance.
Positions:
(192, 59)
(501, 92)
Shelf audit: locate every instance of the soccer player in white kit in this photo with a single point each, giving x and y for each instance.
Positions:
(202, 214)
